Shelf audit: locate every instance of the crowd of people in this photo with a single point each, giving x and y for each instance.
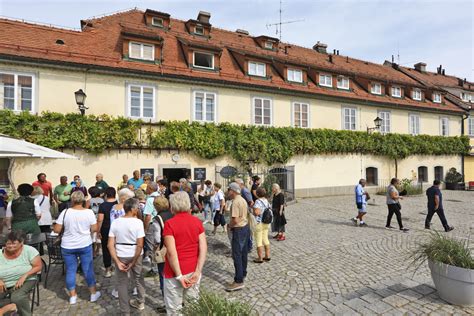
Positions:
(393, 198)
(142, 223)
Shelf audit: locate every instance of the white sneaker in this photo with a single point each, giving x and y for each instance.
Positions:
(135, 292)
(114, 293)
(146, 260)
(205, 222)
(95, 296)
(108, 274)
(73, 299)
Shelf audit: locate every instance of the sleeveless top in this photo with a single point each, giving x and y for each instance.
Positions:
(23, 209)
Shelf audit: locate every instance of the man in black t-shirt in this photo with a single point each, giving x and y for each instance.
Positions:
(435, 205)
(256, 183)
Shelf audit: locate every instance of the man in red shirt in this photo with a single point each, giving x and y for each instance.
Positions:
(44, 184)
(186, 247)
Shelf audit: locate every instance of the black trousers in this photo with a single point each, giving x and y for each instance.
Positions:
(394, 209)
(106, 258)
(441, 216)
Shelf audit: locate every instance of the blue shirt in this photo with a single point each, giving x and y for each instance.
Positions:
(247, 195)
(149, 207)
(2, 197)
(136, 183)
(431, 193)
(360, 194)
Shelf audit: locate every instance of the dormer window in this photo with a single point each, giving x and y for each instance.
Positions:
(141, 51)
(158, 22)
(396, 92)
(466, 97)
(376, 88)
(199, 30)
(203, 60)
(268, 45)
(436, 97)
(257, 69)
(295, 75)
(325, 80)
(416, 94)
(343, 83)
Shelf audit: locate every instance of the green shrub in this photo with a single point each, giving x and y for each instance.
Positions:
(440, 248)
(453, 176)
(210, 304)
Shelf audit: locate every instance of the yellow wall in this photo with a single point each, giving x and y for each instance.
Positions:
(107, 94)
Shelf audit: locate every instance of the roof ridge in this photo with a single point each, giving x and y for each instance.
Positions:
(40, 24)
(112, 14)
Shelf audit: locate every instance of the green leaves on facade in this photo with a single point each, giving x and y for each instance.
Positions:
(268, 145)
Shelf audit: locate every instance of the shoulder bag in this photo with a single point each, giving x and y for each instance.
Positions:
(160, 252)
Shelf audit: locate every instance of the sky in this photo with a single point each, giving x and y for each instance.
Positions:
(432, 31)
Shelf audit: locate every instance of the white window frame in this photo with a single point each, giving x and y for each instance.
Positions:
(256, 69)
(470, 126)
(204, 53)
(376, 91)
(416, 129)
(293, 108)
(385, 127)
(396, 88)
(435, 99)
(199, 27)
(155, 18)
(129, 100)
(343, 118)
(16, 104)
(141, 50)
(467, 97)
(413, 94)
(343, 87)
(444, 121)
(323, 80)
(204, 108)
(293, 71)
(253, 111)
(268, 45)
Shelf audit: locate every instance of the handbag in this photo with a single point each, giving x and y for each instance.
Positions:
(252, 221)
(57, 241)
(159, 254)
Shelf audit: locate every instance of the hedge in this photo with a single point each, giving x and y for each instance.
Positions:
(269, 145)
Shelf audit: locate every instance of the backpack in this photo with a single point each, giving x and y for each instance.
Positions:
(267, 215)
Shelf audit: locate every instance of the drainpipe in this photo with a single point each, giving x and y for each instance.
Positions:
(463, 118)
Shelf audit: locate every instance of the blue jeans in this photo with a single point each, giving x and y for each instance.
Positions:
(70, 259)
(240, 242)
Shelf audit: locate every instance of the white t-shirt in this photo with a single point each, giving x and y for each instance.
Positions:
(9, 209)
(126, 230)
(45, 206)
(218, 197)
(77, 228)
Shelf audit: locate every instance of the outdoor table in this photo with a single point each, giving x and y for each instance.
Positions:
(33, 240)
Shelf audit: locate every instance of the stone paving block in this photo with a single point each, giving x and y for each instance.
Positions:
(410, 295)
(371, 297)
(385, 292)
(423, 289)
(395, 300)
(342, 309)
(380, 307)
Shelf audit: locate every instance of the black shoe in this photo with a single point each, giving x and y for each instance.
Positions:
(389, 227)
(363, 225)
(405, 230)
(449, 228)
(354, 221)
(427, 227)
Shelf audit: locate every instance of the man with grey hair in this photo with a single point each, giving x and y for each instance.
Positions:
(100, 183)
(240, 236)
(149, 213)
(186, 247)
(245, 192)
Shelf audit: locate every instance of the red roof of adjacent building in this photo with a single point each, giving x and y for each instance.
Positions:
(100, 43)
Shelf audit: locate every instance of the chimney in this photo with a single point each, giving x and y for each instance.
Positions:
(461, 82)
(330, 58)
(320, 47)
(334, 52)
(204, 17)
(337, 52)
(443, 72)
(439, 69)
(421, 67)
(243, 32)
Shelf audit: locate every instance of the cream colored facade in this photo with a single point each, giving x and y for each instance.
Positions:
(314, 175)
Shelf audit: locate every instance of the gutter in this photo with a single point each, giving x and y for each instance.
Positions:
(214, 82)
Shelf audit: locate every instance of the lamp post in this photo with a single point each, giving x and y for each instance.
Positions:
(377, 122)
(80, 101)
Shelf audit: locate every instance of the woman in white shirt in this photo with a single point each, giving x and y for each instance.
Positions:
(46, 219)
(218, 204)
(78, 223)
(261, 231)
(126, 239)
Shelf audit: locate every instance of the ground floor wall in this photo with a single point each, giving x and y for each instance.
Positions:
(469, 168)
(314, 175)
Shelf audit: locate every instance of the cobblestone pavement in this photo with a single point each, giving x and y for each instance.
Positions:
(326, 265)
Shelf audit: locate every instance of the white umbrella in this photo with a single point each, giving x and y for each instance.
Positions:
(12, 148)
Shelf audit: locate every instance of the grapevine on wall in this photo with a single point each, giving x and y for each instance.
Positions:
(268, 145)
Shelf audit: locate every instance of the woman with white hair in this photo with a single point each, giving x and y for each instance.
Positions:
(186, 250)
(75, 225)
(278, 207)
(46, 219)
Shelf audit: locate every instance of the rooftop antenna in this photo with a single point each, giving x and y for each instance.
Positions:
(398, 53)
(279, 24)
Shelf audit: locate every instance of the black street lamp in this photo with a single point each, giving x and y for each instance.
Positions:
(377, 122)
(81, 100)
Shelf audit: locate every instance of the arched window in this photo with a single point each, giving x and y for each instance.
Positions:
(372, 176)
(439, 173)
(422, 174)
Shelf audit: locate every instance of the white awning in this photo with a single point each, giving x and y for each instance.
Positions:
(15, 148)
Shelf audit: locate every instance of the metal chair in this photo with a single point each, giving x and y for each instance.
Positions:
(54, 256)
(35, 294)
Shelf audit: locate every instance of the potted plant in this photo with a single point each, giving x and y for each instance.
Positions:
(215, 304)
(454, 180)
(451, 265)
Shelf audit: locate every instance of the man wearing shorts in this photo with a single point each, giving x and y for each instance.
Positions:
(361, 202)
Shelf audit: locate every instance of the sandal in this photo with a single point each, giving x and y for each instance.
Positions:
(281, 238)
(257, 261)
(267, 259)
